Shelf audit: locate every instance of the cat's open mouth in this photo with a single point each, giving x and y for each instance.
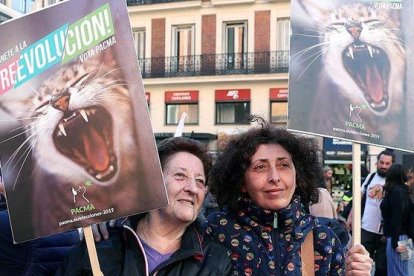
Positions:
(369, 66)
(85, 137)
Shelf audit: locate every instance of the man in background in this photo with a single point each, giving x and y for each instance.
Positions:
(371, 219)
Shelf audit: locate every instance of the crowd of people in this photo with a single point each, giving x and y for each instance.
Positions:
(269, 213)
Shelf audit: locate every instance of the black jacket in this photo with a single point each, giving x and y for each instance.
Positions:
(394, 209)
(122, 254)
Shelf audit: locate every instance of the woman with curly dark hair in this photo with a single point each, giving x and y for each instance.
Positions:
(262, 180)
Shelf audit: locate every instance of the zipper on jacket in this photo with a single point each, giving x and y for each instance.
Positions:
(275, 243)
(138, 240)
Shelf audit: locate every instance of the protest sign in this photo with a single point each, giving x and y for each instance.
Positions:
(77, 145)
(347, 74)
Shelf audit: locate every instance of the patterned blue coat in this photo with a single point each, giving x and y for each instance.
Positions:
(266, 242)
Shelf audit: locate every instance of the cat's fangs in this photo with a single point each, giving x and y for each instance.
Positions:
(83, 113)
(369, 50)
(351, 52)
(62, 129)
(99, 176)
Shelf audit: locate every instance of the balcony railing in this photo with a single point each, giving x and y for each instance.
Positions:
(217, 64)
(147, 2)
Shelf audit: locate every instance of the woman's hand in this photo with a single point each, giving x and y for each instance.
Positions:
(358, 261)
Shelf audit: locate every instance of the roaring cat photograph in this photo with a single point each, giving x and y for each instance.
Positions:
(76, 142)
(79, 152)
(347, 72)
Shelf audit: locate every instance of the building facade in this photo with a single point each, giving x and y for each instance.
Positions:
(8, 10)
(217, 60)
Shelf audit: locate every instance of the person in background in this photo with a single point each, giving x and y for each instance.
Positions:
(410, 183)
(165, 241)
(371, 220)
(325, 207)
(395, 212)
(326, 213)
(263, 180)
(36, 257)
(327, 177)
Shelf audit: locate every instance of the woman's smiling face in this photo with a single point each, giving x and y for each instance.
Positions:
(186, 186)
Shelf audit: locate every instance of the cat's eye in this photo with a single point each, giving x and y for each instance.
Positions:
(374, 23)
(80, 81)
(336, 27)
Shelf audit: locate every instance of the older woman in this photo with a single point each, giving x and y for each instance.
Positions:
(165, 241)
(263, 179)
(395, 213)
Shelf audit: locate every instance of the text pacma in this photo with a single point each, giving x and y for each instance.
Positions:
(60, 46)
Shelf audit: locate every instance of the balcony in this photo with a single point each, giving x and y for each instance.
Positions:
(148, 2)
(215, 65)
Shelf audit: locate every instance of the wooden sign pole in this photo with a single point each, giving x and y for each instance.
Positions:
(93, 256)
(356, 193)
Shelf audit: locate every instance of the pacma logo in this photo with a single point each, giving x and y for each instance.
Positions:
(233, 93)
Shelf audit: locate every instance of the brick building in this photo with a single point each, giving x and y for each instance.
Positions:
(216, 60)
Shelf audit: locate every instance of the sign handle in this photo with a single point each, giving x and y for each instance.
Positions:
(356, 193)
(93, 256)
(180, 127)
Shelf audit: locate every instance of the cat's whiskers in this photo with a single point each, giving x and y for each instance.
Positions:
(313, 55)
(322, 52)
(108, 96)
(21, 146)
(115, 84)
(392, 41)
(100, 78)
(18, 134)
(26, 154)
(22, 119)
(305, 35)
(304, 51)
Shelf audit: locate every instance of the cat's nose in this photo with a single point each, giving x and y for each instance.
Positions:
(62, 103)
(355, 31)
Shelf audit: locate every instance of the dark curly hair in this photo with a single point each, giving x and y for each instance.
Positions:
(168, 147)
(227, 175)
(396, 175)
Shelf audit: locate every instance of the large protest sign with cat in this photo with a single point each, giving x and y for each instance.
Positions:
(76, 140)
(347, 75)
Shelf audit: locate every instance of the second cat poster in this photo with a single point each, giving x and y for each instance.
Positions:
(77, 145)
(347, 74)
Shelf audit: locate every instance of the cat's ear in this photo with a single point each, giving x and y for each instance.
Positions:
(315, 10)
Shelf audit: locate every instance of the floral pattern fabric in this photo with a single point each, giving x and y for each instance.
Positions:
(265, 242)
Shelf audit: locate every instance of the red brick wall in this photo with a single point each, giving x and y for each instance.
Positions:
(262, 31)
(208, 34)
(158, 37)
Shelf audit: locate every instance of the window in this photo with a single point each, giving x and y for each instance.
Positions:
(182, 48)
(178, 102)
(232, 106)
(232, 113)
(51, 2)
(283, 40)
(278, 112)
(174, 112)
(236, 44)
(22, 6)
(139, 40)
